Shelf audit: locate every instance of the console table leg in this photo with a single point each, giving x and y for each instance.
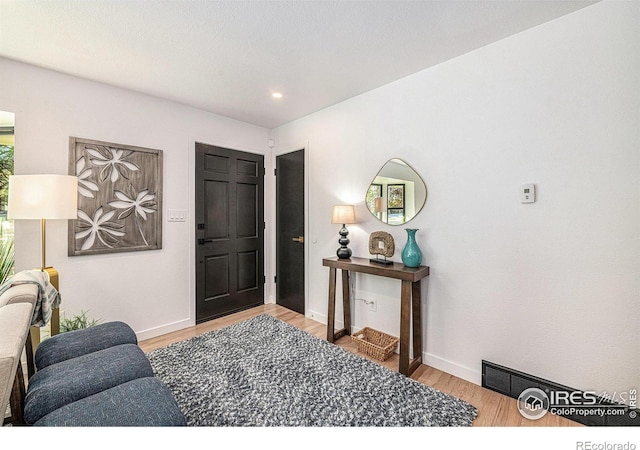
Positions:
(417, 320)
(405, 317)
(346, 301)
(331, 319)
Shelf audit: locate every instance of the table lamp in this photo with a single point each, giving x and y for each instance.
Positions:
(343, 214)
(44, 197)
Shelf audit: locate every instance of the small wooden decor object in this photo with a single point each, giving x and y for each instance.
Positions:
(375, 343)
(381, 244)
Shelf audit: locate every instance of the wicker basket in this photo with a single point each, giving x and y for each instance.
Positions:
(375, 343)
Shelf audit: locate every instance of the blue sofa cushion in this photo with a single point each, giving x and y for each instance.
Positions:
(81, 342)
(144, 402)
(74, 379)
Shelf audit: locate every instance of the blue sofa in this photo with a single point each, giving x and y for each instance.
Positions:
(97, 376)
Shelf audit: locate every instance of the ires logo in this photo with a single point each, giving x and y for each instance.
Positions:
(534, 403)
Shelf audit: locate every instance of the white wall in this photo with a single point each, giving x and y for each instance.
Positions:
(550, 288)
(150, 290)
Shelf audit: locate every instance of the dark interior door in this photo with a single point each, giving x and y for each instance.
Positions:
(290, 230)
(229, 231)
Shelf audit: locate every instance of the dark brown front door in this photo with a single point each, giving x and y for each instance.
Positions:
(229, 231)
(290, 231)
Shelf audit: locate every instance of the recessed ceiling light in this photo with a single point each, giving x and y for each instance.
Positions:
(276, 95)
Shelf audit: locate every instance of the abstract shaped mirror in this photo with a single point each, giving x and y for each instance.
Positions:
(397, 194)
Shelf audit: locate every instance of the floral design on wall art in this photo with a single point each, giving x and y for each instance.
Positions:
(119, 197)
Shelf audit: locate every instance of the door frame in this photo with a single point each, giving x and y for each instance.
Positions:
(271, 223)
(191, 213)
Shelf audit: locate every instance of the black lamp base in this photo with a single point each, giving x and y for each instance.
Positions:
(343, 252)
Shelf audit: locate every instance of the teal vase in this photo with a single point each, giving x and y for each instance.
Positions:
(411, 254)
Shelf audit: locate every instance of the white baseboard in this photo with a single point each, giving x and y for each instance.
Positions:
(318, 317)
(164, 329)
(455, 369)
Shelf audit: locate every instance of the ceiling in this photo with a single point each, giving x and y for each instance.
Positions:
(228, 57)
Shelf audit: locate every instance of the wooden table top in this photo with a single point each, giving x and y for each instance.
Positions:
(363, 265)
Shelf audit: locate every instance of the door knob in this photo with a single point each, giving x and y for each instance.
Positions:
(298, 239)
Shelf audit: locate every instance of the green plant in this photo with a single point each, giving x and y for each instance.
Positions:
(77, 322)
(7, 259)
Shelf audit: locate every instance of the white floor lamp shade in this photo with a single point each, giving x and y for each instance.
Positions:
(43, 197)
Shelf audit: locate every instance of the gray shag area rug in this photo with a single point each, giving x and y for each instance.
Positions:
(264, 372)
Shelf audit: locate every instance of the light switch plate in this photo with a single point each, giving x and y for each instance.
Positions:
(528, 193)
(176, 215)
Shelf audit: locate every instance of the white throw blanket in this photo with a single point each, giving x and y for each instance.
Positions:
(48, 296)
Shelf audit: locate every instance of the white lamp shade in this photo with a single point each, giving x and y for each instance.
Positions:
(343, 214)
(43, 197)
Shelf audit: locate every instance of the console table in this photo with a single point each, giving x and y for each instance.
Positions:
(409, 303)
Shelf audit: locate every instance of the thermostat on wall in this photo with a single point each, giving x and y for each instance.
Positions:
(527, 193)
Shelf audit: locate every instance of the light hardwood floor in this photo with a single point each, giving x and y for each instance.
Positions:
(493, 409)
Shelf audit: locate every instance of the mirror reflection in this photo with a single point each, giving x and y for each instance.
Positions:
(397, 193)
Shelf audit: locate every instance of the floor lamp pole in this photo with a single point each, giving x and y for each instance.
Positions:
(54, 279)
(43, 241)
